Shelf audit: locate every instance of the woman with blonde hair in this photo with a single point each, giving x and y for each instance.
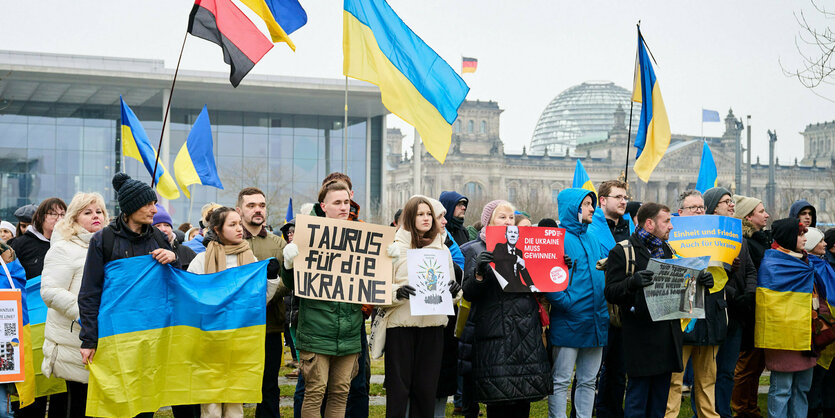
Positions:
(60, 283)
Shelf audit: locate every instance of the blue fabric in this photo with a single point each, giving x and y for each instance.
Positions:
(289, 14)
(579, 317)
(707, 171)
(646, 396)
(825, 279)
(647, 84)
(599, 228)
(196, 244)
(289, 215)
(19, 278)
(587, 361)
(200, 150)
(782, 272)
(450, 199)
(787, 393)
(726, 360)
(654, 244)
(710, 115)
(455, 252)
(35, 304)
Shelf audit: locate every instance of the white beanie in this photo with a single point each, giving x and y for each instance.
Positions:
(813, 237)
(7, 225)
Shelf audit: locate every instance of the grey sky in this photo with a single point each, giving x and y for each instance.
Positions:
(711, 54)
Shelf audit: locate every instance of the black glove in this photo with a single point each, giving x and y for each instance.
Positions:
(736, 264)
(273, 268)
(639, 280)
(454, 287)
(568, 262)
(706, 279)
(404, 292)
(482, 263)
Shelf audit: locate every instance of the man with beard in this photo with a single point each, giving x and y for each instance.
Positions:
(456, 207)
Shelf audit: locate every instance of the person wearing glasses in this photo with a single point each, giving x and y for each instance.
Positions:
(32, 245)
(691, 203)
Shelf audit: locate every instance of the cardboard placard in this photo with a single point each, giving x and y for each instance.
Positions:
(343, 261)
(675, 292)
(429, 274)
(528, 258)
(11, 324)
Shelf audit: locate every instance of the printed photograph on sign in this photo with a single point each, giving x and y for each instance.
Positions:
(675, 292)
(11, 369)
(528, 258)
(429, 274)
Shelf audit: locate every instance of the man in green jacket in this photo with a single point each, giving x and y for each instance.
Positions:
(328, 333)
(252, 206)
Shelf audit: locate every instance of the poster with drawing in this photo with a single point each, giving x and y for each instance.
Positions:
(675, 292)
(429, 274)
(528, 258)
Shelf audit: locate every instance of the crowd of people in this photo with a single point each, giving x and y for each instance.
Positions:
(593, 346)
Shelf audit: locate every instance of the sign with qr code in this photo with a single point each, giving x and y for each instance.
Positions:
(11, 349)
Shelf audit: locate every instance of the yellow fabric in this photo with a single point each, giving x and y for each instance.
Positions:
(364, 61)
(589, 186)
(658, 137)
(720, 278)
(184, 170)
(43, 385)
(216, 256)
(166, 187)
(177, 365)
(276, 31)
(783, 320)
(26, 389)
(463, 313)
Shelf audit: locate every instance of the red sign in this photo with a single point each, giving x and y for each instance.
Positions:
(528, 258)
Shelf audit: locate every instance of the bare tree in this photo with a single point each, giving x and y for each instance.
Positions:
(816, 47)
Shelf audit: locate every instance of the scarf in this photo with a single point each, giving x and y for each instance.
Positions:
(654, 244)
(455, 223)
(216, 255)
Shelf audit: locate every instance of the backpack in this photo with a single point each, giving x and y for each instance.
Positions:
(629, 252)
(108, 236)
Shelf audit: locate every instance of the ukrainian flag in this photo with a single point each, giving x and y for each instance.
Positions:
(282, 17)
(26, 388)
(653, 136)
(170, 337)
(195, 162)
(707, 171)
(37, 322)
(581, 179)
(289, 215)
(135, 144)
(783, 315)
(415, 83)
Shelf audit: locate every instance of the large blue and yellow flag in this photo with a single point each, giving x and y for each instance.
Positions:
(135, 144)
(783, 315)
(707, 171)
(582, 180)
(26, 388)
(653, 136)
(415, 83)
(195, 162)
(282, 17)
(170, 337)
(37, 322)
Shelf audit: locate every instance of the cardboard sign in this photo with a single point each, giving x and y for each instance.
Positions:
(675, 292)
(11, 323)
(343, 261)
(429, 274)
(528, 258)
(719, 237)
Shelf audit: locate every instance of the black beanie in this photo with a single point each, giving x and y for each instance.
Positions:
(132, 194)
(785, 232)
(829, 238)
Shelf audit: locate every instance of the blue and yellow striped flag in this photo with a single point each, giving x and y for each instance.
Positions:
(195, 162)
(17, 276)
(170, 337)
(783, 315)
(415, 83)
(37, 322)
(582, 180)
(707, 171)
(653, 136)
(282, 17)
(135, 144)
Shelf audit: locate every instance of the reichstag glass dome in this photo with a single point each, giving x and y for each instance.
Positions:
(581, 114)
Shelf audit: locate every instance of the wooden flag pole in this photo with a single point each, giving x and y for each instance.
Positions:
(167, 108)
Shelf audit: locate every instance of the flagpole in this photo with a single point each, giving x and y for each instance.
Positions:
(631, 104)
(190, 202)
(345, 132)
(167, 107)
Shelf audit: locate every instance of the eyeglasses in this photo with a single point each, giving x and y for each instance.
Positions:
(727, 202)
(56, 215)
(695, 208)
(619, 197)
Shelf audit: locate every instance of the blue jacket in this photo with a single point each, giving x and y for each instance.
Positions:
(196, 244)
(579, 317)
(801, 204)
(455, 251)
(599, 228)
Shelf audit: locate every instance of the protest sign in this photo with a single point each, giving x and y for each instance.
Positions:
(429, 274)
(719, 237)
(11, 321)
(528, 258)
(675, 292)
(343, 261)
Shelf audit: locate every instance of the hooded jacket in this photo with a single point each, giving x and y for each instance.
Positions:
(126, 244)
(801, 204)
(455, 226)
(601, 230)
(579, 317)
(30, 248)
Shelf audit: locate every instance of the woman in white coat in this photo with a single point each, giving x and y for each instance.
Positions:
(60, 283)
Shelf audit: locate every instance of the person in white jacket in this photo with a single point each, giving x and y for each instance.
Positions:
(226, 248)
(414, 344)
(60, 283)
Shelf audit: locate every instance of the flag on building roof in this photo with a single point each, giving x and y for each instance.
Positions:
(415, 83)
(170, 337)
(581, 178)
(195, 162)
(707, 171)
(468, 65)
(710, 115)
(136, 145)
(281, 16)
(653, 136)
(221, 22)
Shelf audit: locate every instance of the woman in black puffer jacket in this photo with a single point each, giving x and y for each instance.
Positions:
(503, 340)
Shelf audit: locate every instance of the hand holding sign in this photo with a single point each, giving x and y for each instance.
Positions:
(429, 275)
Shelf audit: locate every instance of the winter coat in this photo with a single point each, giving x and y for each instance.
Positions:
(456, 227)
(448, 379)
(601, 228)
(830, 258)
(126, 244)
(454, 251)
(502, 342)
(30, 248)
(713, 329)
(184, 254)
(740, 291)
(650, 347)
(579, 317)
(196, 244)
(757, 242)
(198, 266)
(799, 206)
(399, 312)
(266, 245)
(60, 283)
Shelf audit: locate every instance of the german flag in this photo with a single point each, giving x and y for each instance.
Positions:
(221, 22)
(468, 65)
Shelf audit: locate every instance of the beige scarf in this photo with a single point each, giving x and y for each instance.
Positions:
(216, 255)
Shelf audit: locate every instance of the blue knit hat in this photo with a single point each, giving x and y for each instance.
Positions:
(162, 216)
(132, 194)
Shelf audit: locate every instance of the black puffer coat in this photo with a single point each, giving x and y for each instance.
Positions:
(509, 361)
(30, 249)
